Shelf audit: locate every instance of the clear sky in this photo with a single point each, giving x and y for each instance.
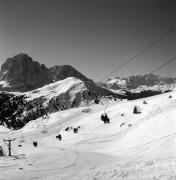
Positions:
(94, 36)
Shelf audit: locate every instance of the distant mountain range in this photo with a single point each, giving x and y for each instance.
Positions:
(137, 81)
(139, 86)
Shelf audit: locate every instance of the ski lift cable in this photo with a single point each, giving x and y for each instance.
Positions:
(107, 102)
(60, 128)
(140, 53)
(14, 151)
(86, 95)
(46, 116)
(34, 138)
(21, 139)
(21, 134)
(158, 68)
(161, 66)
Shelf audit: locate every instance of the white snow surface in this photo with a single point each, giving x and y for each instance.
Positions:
(132, 147)
(161, 88)
(56, 88)
(4, 84)
(117, 81)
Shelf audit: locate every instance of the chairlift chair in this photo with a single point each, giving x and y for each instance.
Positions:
(44, 131)
(35, 143)
(59, 137)
(21, 141)
(86, 110)
(86, 95)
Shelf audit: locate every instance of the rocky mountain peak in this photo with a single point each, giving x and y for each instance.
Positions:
(64, 71)
(10, 63)
(22, 73)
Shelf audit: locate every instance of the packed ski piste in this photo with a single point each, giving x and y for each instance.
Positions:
(131, 140)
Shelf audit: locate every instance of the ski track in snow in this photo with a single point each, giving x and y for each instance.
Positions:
(145, 150)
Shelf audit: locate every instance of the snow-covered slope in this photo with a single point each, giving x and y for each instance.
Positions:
(132, 146)
(57, 96)
(4, 84)
(65, 94)
(70, 86)
(57, 88)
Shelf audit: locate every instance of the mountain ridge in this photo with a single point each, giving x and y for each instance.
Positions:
(22, 73)
(136, 81)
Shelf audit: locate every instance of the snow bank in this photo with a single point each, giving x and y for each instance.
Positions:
(4, 84)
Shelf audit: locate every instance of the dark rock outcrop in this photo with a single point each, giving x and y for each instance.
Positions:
(24, 74)
(21, 73)
(64, 71)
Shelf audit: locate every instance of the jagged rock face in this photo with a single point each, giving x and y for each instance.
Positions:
(23, 74)
(140, 86)
(11, 109)
(64, 71)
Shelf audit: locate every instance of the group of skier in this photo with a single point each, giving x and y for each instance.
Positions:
(75, 130)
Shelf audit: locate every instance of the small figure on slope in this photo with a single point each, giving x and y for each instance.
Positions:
(59, 137)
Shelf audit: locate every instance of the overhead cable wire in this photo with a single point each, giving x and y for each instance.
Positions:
(158, 68)
(140, 53)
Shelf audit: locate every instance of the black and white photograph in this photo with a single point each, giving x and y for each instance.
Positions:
(87, 89)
